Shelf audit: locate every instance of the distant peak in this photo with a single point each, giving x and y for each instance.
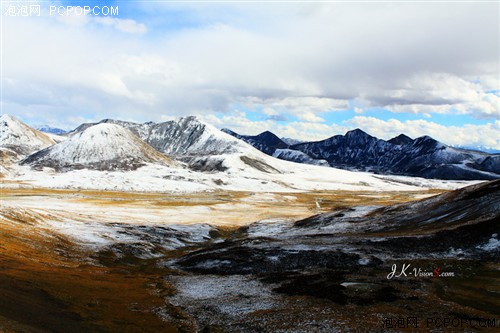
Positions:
(356, 132)
(428, 141)
(425, 138)
(401, 139)
(267, 134)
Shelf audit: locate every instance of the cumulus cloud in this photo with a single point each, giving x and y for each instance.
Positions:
(439, 93)
(487, 135)
(124, 25)
(310, 117)
(298, 59)
(468, 135)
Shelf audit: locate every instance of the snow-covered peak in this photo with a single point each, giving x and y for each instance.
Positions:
(190, 136)
(102, 147)
(20, 137)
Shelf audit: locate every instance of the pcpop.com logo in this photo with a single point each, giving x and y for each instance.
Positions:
(84, 10)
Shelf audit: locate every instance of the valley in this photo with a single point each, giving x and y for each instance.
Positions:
(107, 261)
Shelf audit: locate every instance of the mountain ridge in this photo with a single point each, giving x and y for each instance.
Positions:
(205, 148)
(401, 155)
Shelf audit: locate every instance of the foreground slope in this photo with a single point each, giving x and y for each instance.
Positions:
(467, 219)
(340, 264)
(104, 269)
(100, 147)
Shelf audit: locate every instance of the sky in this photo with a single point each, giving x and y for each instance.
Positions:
(304, 70)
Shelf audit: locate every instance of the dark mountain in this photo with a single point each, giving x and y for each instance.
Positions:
(267, 142)
(357, 150)
(401, 139)
(422, 157)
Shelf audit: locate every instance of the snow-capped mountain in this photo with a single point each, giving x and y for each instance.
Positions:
(50, 130)
(183, 136)
(95, 156)
(357, 150)
(266, 142)
(99, 147)
(202, 146)
(18, 139)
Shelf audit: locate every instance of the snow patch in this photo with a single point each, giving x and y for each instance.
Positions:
(492, 245)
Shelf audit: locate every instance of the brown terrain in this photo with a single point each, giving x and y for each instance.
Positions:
(303, 278)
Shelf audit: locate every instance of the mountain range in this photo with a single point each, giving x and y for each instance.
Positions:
(200, 145)
(120, 145)
(356, 150)
(181, 155)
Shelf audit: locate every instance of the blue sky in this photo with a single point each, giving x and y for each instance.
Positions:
(302, 70)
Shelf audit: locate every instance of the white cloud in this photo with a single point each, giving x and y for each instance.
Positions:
(310, 117)
(487, 135)
(123, 25)
(296, 59)
(269, 111)
(302, 130)
(440, 93)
